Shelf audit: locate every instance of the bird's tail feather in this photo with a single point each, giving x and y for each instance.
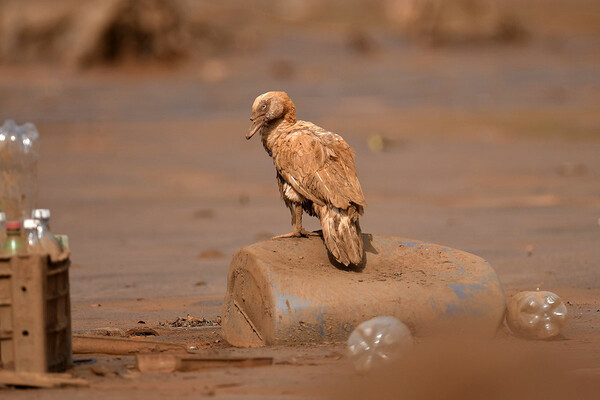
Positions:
(342, 234)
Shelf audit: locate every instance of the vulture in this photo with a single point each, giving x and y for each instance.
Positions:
(315, 174)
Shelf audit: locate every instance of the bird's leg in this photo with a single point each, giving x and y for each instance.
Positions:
(293, 212)
(297, 222)
(298, 229)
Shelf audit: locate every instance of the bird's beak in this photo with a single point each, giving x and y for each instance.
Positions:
(257, 124)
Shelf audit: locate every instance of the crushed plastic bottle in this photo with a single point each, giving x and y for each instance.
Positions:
(14, 244)
(32, 242)
(19, 152)
(45, 237)
(536, 314)
(378, 341)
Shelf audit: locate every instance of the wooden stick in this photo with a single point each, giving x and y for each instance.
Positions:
(42, 380)
(165, 363)
(120, 346)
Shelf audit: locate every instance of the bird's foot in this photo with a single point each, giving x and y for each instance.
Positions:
(288, 235)
(297, 234)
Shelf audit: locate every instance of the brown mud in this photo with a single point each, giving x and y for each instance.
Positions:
(489, 149)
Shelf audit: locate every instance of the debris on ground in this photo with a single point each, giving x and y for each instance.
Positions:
(379, 143)
(107, 331)
(571, 169)
(529, 249)
(141, 331)
(191, 322)
(204, 213)
(40, 380)
(210, 254)
(166, 363)
(362, 42)
(104, 371)
(120, 346)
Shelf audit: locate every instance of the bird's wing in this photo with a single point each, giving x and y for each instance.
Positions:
(320, 166)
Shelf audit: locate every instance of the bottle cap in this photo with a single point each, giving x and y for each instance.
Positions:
(41, 213)
(30, 223)
(13, 225)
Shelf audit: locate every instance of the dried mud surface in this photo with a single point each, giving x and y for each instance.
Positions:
(491, 150)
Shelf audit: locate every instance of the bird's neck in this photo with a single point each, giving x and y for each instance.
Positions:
(273, 131)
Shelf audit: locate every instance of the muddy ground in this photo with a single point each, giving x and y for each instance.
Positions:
(493, 149)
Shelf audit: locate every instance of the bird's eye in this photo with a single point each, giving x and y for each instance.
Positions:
(264, 107)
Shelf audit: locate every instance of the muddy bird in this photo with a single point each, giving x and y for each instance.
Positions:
(315, 173)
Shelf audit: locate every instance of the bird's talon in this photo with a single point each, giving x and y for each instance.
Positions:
(296, 234)
(287, 235)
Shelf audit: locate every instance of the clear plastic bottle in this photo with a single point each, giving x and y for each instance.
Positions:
(536, 314)
(30, 138)
(19, 152)
(14, 244)
(45, 237)
(378, 341)
(32, 241)
(2, 228)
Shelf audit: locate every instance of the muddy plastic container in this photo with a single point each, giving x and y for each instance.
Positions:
(35, 314)
(289, 292)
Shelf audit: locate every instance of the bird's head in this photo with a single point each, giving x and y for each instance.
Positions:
(268, 107)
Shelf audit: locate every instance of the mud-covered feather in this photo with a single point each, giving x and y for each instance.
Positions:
(319, 165)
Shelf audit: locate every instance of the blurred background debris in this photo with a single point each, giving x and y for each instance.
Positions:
(571, 169)
(378, 143)
(108, 31)
(96, 31)
(447, 22)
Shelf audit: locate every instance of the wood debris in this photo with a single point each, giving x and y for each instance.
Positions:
(120, 346)
(167, 363)
(40, 380)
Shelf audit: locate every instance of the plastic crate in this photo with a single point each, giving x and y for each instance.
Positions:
(35, 314)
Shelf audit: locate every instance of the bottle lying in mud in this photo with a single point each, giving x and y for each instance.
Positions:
(48, 242)
(19, 151)
(376, 342)
(14, 244)
(536, 314)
